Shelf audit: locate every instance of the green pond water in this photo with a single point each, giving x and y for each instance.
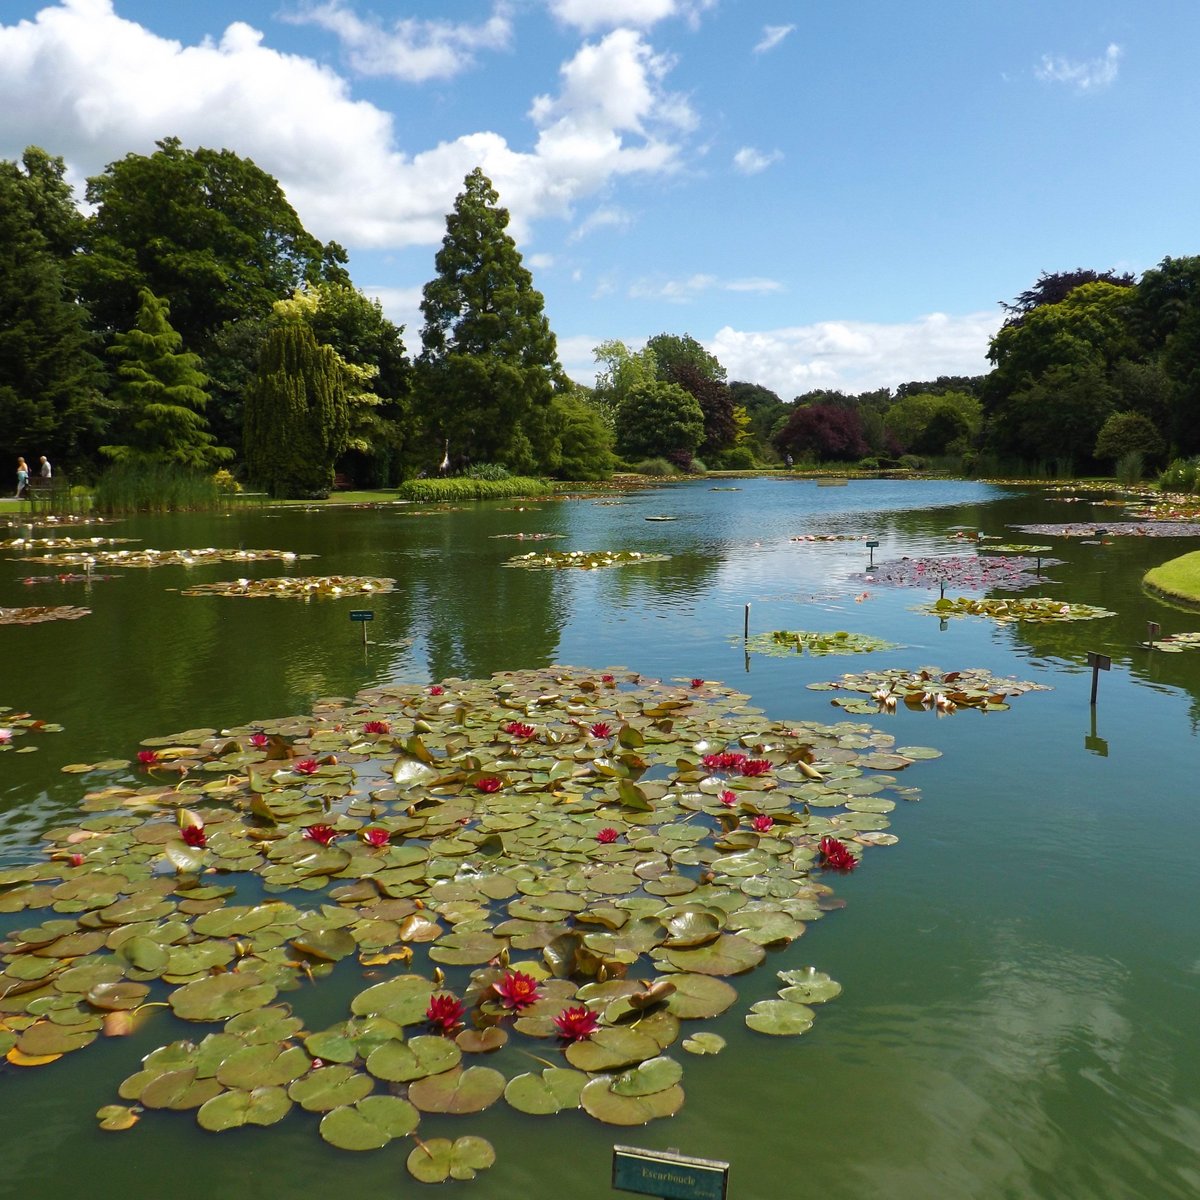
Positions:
(1021, 971)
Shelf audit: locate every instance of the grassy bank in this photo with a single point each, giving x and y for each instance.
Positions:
(457, 489)
(1177, 580)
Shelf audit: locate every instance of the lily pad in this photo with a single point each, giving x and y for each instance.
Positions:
(237, 1108)
(370, 1123)
(439, 1159)
(462, 1090)
(600, 1101)
(546, 1092)
(782, 1018)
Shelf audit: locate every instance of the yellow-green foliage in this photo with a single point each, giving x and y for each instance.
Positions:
(1179, 578)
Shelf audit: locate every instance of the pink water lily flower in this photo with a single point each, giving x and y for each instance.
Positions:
(376, 727)
(517, 990)
(488, 783)
(727, 760)
(376, 836)
(259, 740)
(697, 683)
(835, 856)
(444, 1012)
(6, 736)
(729, 799)
(321, 834)
(607, 836)
(436, 690)
(601, 729)
(608, 679)
(576, 1023)
(148, 758)
(519, 729)
(756, 766)
(762, 823)
(306, 766)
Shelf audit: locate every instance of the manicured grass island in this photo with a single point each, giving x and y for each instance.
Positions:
(1177, 580)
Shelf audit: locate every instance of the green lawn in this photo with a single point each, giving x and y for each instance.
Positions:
(1178, 579)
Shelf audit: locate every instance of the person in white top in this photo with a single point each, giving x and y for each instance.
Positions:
(44, 470)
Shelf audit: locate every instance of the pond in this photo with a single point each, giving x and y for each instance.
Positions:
(1020, 972)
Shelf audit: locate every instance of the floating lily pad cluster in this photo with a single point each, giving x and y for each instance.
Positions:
(1172, 643)
(583, 560)
(1115, 529)
(928, 688)
(783, 643)
(530, 537)
(14, 724)
(562, 860)
(963, 571)
(166, 558)
(1017, 548)
(1033, 608)
(1177, 509)
(60, 543)
(38, 614)
(67, 577)
(304, 587)
(829, 537)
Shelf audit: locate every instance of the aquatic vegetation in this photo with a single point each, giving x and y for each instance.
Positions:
(1172, 643)
(165, 558)
(530, 537)
(1034, 608)
(880, 691)
(303, 587)
(1115, 529)
(603, 895)
(14, 724)
(31, 544)
(37, 615)
(963, 571)
(829, 537)
(68, 577)
(583, 560)
(782, 643)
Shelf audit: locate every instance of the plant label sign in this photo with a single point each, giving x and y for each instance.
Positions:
(668, 1175)
(361, 614)
(872, 545)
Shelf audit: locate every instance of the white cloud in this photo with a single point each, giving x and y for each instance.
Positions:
(601, 218)
(539, 262)
(409, 49)
(750, 161)
(93, 86)
(1083, 76)
(680, 291)
(856, 356)
(772, 36)
(401, 306)
(592, 15)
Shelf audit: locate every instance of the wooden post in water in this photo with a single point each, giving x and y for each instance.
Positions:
(1098, 663)
(746, 625)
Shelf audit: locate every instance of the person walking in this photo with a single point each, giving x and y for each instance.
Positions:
(22, 478)
(44, 469)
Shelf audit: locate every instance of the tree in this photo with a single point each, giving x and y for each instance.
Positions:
(297, 418)
(161, 395)
(659, 420)
(684, 361)
(489, 365)
(1129, 433)
(208, 231)
(622, 371)
(50, 377)
(672, 351)
(824, 432)
(927, 423)
(584, 440)
(1053, 287)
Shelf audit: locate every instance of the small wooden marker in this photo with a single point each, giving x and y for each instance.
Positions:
(1153, 629)
(746, 625)
(1098, 663)
(362, 616)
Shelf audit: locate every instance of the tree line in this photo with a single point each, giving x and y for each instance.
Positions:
(189, 319)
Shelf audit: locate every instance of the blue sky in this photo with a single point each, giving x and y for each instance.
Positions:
(825, 195)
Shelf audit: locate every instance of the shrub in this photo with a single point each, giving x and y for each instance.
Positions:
(225, 481)
(1130, 467)
(1182, 475)
(696, 467)
(739, 458)
(655, 466)
(489, 471)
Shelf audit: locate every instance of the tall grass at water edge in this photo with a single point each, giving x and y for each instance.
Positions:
(461, 488)
(156, 487)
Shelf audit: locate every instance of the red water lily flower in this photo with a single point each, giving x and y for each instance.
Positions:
(376, 727)
(727, 760)
(729, 799)
(761, 824)
(147, 758)
(488, 783)
(194, 836)
(376, 836)
(577, 1023)
(517, 990)
(697, 683)
(306, 766)
(259, 740)
(436, 690)
(835, 855)
(608, 679)
(76, 860)
(322, 834)
(601, 729)
(444, 1012)
(756, 766)
(607, 836)
(519, 729)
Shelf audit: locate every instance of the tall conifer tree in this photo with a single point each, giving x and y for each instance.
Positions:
(490, 363)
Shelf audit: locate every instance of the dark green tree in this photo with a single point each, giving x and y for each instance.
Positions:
(208, 231)
(161, 396)
(584, 439)
(50, 377)
(682, 360)
(672, 351)
(659, 420)
(489, 365)
(297, 417)
(1129, 433)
